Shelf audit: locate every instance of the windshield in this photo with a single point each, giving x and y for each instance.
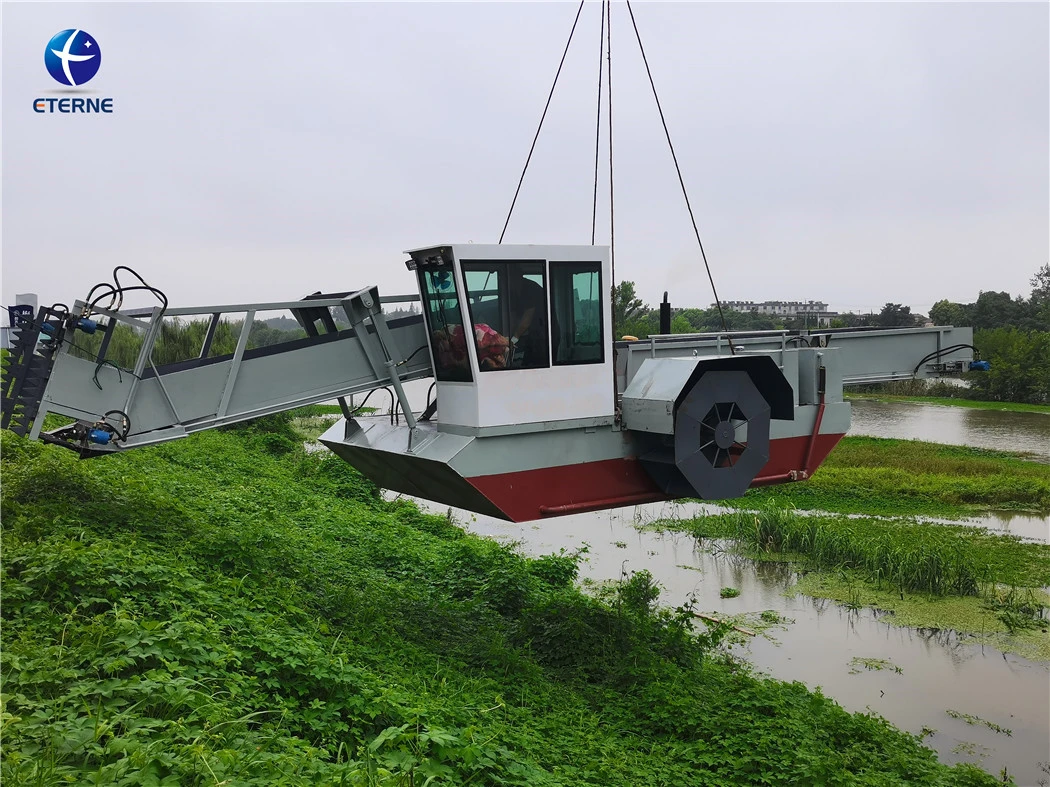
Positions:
(508, 310)
(437, 285)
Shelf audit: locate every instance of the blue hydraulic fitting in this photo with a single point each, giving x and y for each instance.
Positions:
(86, 325)
(100, 436)
(980, 366)
(47, 328)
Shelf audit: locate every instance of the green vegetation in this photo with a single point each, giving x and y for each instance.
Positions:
(929, 576)
(231, 609)
(1020, 366)
(728, 592)
(902, 555)
(884, 477)
(1011, 333)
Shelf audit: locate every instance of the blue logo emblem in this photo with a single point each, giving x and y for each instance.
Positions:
(72, 57)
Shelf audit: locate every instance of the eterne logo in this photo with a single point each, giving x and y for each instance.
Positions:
(72, 57)
(69, 105)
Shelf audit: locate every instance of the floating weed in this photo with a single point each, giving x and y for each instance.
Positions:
(762, 624)
(729, 592)
(977, 720)
(970, 749)
(858, 664)
(948, 618)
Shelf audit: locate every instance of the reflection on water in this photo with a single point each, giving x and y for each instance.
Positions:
(1002, 431)
(939, 670)
(1034, 527)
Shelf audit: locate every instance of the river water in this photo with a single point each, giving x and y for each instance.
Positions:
(938, 671)
(1002, 431)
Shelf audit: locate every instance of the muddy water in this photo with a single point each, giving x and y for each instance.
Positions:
(938, 672)
(1003, 431)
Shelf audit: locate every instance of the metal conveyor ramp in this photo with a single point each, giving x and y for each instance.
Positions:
(118, 408)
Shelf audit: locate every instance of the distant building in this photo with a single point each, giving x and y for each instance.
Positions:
(787, 310)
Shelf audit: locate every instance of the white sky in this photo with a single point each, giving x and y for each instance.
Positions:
(855, 154)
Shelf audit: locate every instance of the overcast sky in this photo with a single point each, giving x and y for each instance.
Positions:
(855, 154)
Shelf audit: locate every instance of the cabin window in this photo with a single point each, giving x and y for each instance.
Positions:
(437, 284)
(508, 310)
(576, 312)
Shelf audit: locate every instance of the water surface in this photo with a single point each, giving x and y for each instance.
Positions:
(996, 429)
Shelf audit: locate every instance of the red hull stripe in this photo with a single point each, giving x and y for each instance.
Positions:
(612, 483)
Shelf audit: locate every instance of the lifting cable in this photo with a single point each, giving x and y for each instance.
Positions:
(612, 212)
(542, 118)
(605, 53)
(681, 181)
(598, 125)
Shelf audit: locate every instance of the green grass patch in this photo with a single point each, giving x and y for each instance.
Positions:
(1010, 407)
(900, 554)
(871, 475)
(231, 609)
(930, 576)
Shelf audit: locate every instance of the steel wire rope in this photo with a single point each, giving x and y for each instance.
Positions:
(532, 149)
(681, 180)
(612, 202)
(612, 210)
(598, 126)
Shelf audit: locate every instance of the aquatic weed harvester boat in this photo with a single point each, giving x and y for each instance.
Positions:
(537, 409)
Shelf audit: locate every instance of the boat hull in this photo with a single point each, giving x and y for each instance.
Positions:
(529, 475)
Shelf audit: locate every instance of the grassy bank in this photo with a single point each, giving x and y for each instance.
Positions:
(871, 475)
(1010, 407)
(940, 576)
(231, 609)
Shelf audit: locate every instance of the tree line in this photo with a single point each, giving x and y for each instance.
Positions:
(634, 317)
(1013, 334)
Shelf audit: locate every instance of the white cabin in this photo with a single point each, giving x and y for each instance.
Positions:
(518, 334)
